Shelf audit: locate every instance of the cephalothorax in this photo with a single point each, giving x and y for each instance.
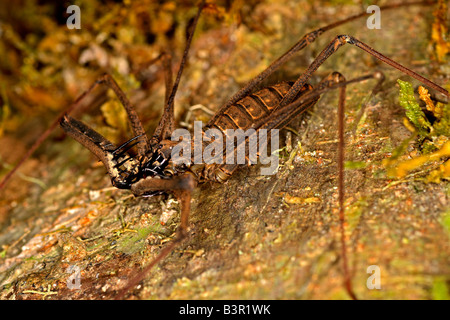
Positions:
(152, 170)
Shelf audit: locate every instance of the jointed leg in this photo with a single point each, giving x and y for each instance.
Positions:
(167, 123)
(334, 45)
(333, 81)
(286, 113)
(136, 125)
(181, 187)
(341, 192)
(300, 45)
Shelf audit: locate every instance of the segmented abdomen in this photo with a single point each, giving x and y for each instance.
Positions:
(242, 115)
(251, 108)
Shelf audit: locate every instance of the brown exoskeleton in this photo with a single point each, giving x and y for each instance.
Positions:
(151, 171)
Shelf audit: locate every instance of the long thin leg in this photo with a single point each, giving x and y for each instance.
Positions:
(332, 81)
(341, 192)
(181, 187)
(300, 45)
(136, 125)
(167, 123)
(334, 45)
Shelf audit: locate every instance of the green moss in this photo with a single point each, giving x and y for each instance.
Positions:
(415, 114)
(439, 291)
(412, 108)
(135, 241)
(355, 164)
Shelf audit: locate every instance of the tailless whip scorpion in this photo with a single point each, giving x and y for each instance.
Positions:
(152, 171)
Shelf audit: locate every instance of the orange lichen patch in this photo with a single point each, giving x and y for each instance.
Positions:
(440, 32)
(425, 97)
(442, 172)
(88, 218)
(401, 169)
